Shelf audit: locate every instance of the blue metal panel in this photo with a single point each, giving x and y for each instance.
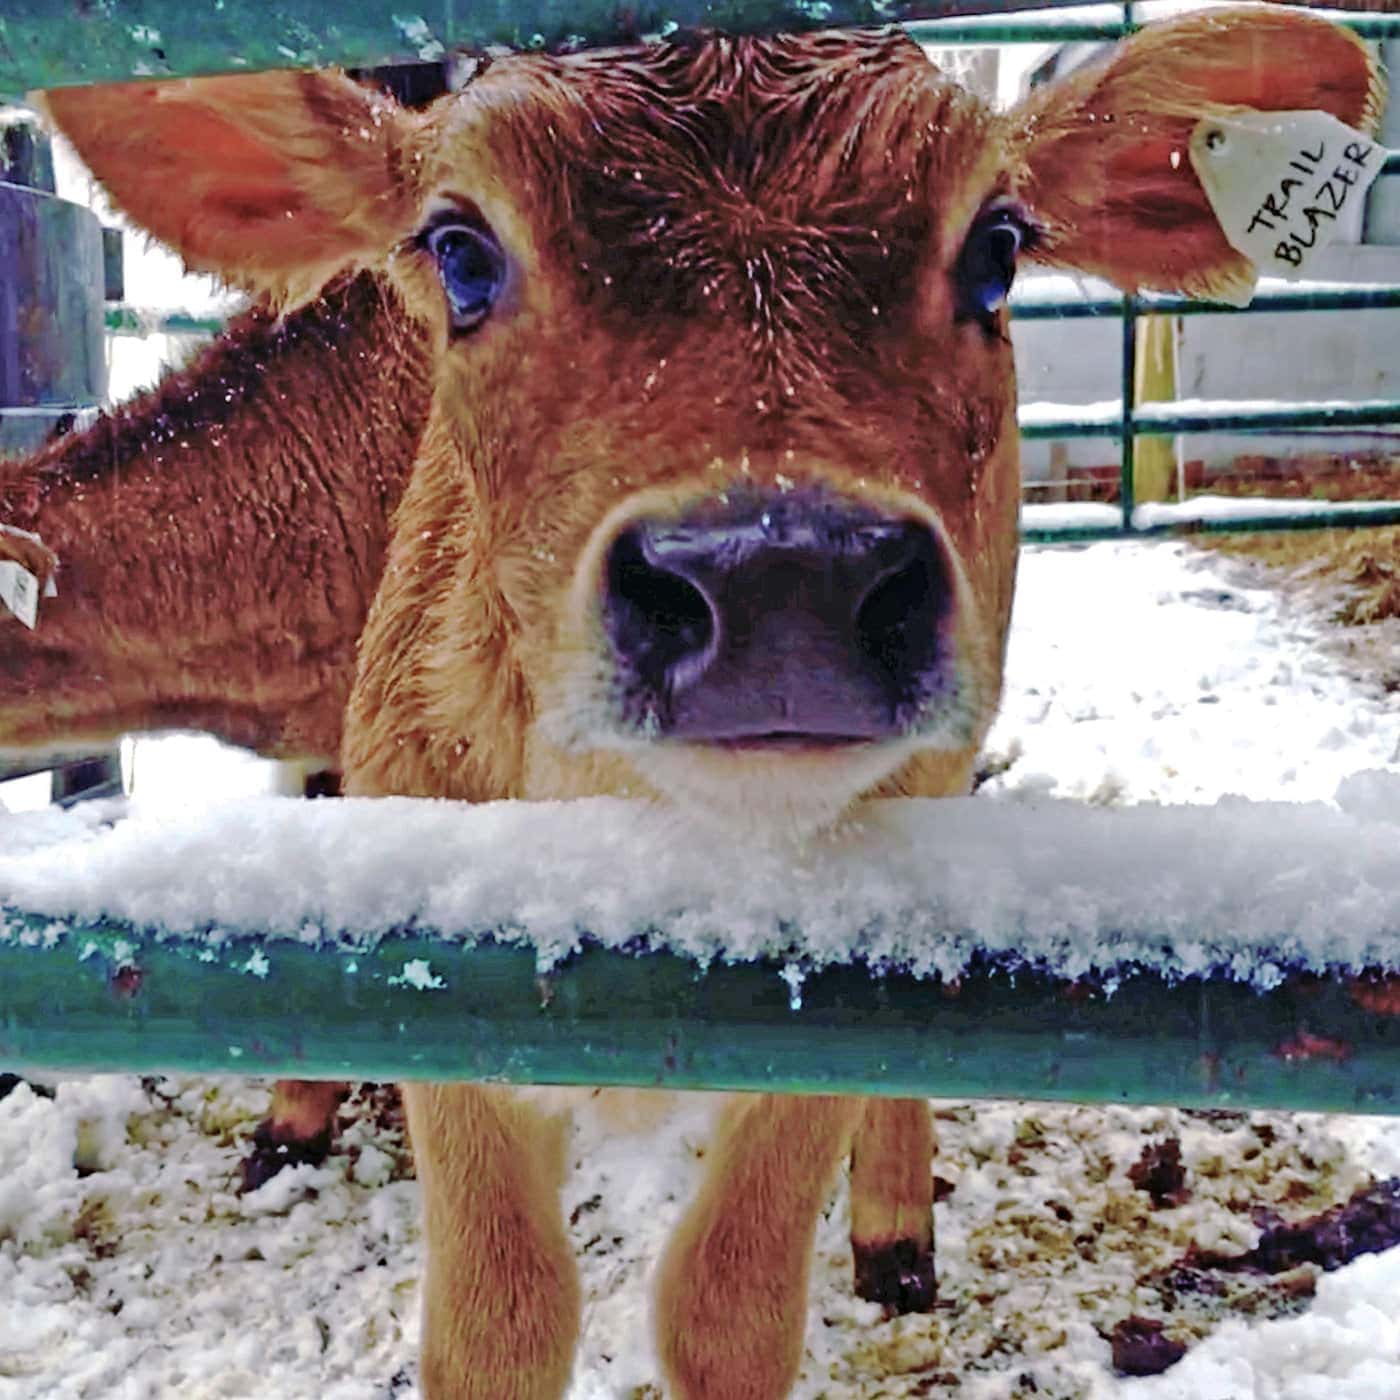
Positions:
(52, 363)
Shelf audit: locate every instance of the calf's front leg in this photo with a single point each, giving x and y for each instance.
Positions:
(731, 1303)
(501, 1299)
(892, 1205)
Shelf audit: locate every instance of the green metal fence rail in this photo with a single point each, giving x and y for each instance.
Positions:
(1167, 419)
(103, 996)
(55, 43)
(997, 29)
(1346, 515)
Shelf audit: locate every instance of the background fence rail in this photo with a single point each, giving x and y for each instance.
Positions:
(54, 43)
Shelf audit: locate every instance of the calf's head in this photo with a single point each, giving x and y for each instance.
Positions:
(718, 493)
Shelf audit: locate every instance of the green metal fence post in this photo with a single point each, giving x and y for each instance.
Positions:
(1127, 426)
(1128, 447)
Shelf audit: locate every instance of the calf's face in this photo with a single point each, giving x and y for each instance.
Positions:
(718, 494)
(726, 380)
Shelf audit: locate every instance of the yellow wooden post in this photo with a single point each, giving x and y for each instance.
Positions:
(1154, 460)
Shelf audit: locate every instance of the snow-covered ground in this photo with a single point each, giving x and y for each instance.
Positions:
(129, 1266)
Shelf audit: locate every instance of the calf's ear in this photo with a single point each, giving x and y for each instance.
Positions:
(1105, 163)
(273, 181)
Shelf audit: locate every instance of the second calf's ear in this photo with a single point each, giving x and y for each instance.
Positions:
(1105, 150)
(273, 181)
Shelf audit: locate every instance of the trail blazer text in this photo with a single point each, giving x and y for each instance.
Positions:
(1327, 199)
(712, 500)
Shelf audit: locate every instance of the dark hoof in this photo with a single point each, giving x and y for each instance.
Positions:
(900, 1275)
(269, 1155)
(1142, 1348)
(10, 1082)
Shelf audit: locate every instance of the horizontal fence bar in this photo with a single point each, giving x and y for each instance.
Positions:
(131, 320)
(955, 33)
(103, 998)
(26, 766)
(1033, 29)
(1346, 516)
(1165, 420)
(56, 43)
(1148, 421)
(1317, 298)
(137, 321)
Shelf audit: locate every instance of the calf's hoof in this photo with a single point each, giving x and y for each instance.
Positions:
(899, 1273)
(271, 1152)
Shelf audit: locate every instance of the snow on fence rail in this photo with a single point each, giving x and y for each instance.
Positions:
(1229, 954)
(1062, 521)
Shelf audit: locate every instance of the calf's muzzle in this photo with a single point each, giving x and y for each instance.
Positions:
(796, 618)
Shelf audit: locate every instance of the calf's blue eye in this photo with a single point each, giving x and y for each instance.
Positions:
(472, 268)
(987, 265)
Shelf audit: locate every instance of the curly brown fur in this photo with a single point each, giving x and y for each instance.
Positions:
(216, 543)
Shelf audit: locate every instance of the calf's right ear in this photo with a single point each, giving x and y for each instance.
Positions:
(1109, 177)
(275, 181)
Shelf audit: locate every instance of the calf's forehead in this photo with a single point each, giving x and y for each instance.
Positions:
(676, 162)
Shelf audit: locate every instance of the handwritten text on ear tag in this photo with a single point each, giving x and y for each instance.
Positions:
(1280, 182)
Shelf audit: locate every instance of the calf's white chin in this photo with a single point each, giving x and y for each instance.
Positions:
(771, 797)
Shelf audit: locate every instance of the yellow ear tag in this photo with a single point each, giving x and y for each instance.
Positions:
(1282, 184)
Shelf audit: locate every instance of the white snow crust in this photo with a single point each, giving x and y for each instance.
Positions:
(1226, 508)
(1247, 887)
(1038, 413)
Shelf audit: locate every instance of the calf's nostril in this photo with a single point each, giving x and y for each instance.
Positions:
(896, 622)
(659, 621)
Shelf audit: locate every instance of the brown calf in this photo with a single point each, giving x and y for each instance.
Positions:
(715, 504)
(217, 543)
(218, 540)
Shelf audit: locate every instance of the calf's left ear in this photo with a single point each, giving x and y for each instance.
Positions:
(1104, 151)
(273, 181)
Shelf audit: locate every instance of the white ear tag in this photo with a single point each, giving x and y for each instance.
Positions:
(19, 592)
(19, 589)
(1279, 182)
